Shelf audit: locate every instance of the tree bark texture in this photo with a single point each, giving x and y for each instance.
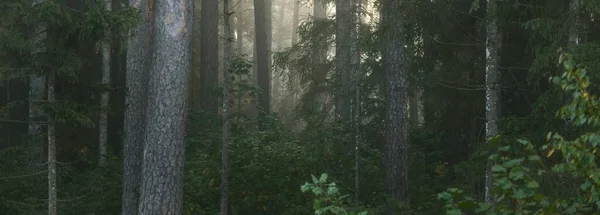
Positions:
(209, 62)
(262, 56)
(139, 55)
(396, 69)
(164, 152)
(492, 89)
(344, 20)
(104, 97)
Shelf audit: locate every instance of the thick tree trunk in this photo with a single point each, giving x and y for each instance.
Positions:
(396, 69)
(104, 98)
(139, 55)
(262, 57)
(164, 152)
(209, 65)
(228, 9)
(492, 90)
(52, 197)
(344, 19)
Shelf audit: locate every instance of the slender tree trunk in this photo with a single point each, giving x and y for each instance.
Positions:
(139, 55)
(262, 56)
(344, 19)
(396, 69)
(574, 11)
(103, 121)
(492, 90)
(295, 21)
(52, 197)
(196, 84)
(209, 65)
(239, 28)
(228, 9)
(357, 101)
(37, 93)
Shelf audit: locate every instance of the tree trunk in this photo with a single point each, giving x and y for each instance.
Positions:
(344, 19)
(228, 52)
(209, 62)
(396, 69)
(195, 82)
(37, 93)
(492, 91)
(356, 121)
(574, 11)
(52, 197)
(295, 21)
(239, 27)
(164, 152)
(139, 55)
(262, 55)
(103, 119)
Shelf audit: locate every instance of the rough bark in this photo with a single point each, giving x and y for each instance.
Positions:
(396, 69)
(262, 56)
(228, 52)
(209, 63)
(344, 19)
(139, 55)
(104, 98)
(52, 196)
(164, 152)
(492, 90)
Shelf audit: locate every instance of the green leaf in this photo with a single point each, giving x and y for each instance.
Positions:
(533, 184)
(323, 178)
(516, 173)
(454, 212)
(498, 168)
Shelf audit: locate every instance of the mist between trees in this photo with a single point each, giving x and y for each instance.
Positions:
(299, 107)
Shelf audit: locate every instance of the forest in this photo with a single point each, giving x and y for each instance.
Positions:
(293, 107)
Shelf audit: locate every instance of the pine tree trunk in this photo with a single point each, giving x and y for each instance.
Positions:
(396, 69)
(52, 198)
(239, 16)
(228, 9)
(196, 83)
(139, 55)
(164, 152)
(344, 19)
(492, 91)
(262, 55)
(209, 65)
(37, 93)
(356, 121)
(104, 99)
